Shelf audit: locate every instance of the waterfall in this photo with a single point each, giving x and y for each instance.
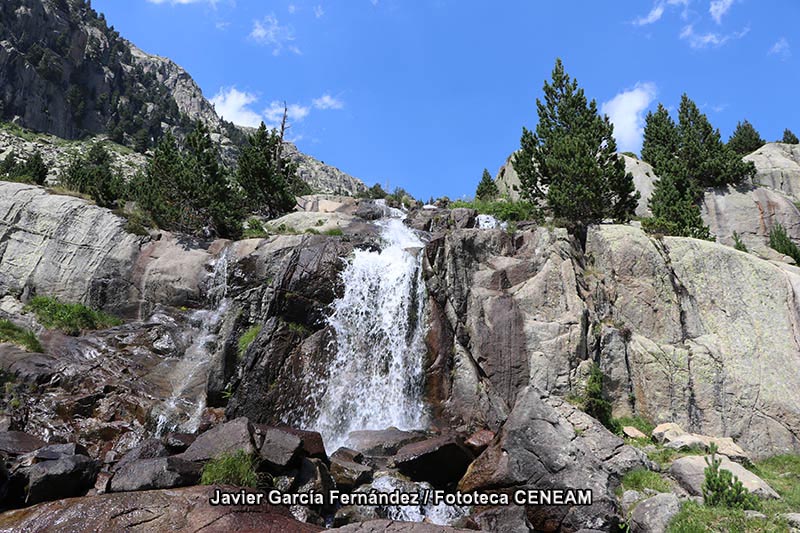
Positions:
(184, 408)
(376, 377)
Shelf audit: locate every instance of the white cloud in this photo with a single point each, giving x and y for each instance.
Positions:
(654, 16)
(718, 8)
(626, 111)
(232, 105)
(781, 49)
(270, 32)
(318, 11)
(222, 25)
(292, 9)
(327, 101)
(711, 39)
(274, 113)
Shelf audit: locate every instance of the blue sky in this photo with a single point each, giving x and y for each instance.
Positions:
(425, 94)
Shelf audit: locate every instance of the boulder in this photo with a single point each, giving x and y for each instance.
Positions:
(178, 442)
(229, 437)
(156, 473)
(183, 510)
(17, 443)
(149, 449)
(439, 460)
(348, 454)
(778, 167)
(478, 441)
(633, 433)
(349, 474)
(539, 448)
(327, 203)
(311, 442)
(690, 473)
(654, 514)
(279, 449)
(67, 476)
(793, 519)
(382, 443)
(302, 222)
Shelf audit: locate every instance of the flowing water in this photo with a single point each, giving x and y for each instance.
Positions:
(376, 377)
(183, 409)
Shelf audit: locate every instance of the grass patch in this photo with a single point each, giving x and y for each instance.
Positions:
(501, 209)
(638, 422)
(254, 229)
(247, 339)
(64, 191)
(237, 469)
(697, 518)
(641, 479)
(69, 318)
(10, 332)
(782, 473)
(665, 456)
(333, 232)
(300, 329)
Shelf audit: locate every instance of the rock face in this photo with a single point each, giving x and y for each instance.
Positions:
(644, 178)
(180, 510)
(699, 318)
(321, 177)
(778, 167)
(751, 213)
(507, 179)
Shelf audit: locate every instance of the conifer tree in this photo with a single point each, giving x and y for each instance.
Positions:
(92, 174)
(789, 137)
(570, 160)
(745, 139)
(661, 140)
(268, 179)
(36, 168)
(487, 188)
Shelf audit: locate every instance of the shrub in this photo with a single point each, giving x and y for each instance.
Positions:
(333, 232)
(254, 229)
(10, 332)
(69, 318)
(737, 243)
(247, 338)
(594, 403)
(238, 469)
(723, 489)
(781, 243)
(501, 209)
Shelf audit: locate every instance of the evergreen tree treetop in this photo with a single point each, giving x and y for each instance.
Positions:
(487, 188)
(745, 139)
(789, 137)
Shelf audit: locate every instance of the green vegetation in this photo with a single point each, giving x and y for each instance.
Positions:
(780, 242)
(10, 332)
(487, 188)
(268, 179)
(333, 232)
(92, 175)
(738, 244)
(637, 422)
(594, 402)
(697, 518)
(572, 154)
(188, 190)
(688, 157)
(745, 139)
(723, 489)
(69, 318)
(375, 192)
(501, 209)
(254, 229)
(237, 469)
(247, 338)
(641, 479)
(789, 137)
(34, 170)
(782, 473)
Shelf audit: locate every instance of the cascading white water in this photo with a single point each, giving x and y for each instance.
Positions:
(183, 409)
(376, 378)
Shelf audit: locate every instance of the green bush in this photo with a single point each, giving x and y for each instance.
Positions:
(780, 242)
(247, 338)
(723, 489)
(738, 244)
(10, 332)
(237, 469)
(641, 479)
(69, 318)
(595, 404)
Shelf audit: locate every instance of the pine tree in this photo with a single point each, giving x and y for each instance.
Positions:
(674, 209)
(709, 162)
(269, 180)
(661, 139)
(36, 168)
(189, 191)
(745, 139)
(487, 188)
(570, 161)
(92, 174)
(789, 137)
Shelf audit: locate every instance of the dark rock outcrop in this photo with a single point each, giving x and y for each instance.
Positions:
(157, 473)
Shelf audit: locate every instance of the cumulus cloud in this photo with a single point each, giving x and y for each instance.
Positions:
(327, 101)
(269, 32)
(274, 113)
(718, 8)
(781, 49)
(626, 111)
(711, 39)
(233, 105)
